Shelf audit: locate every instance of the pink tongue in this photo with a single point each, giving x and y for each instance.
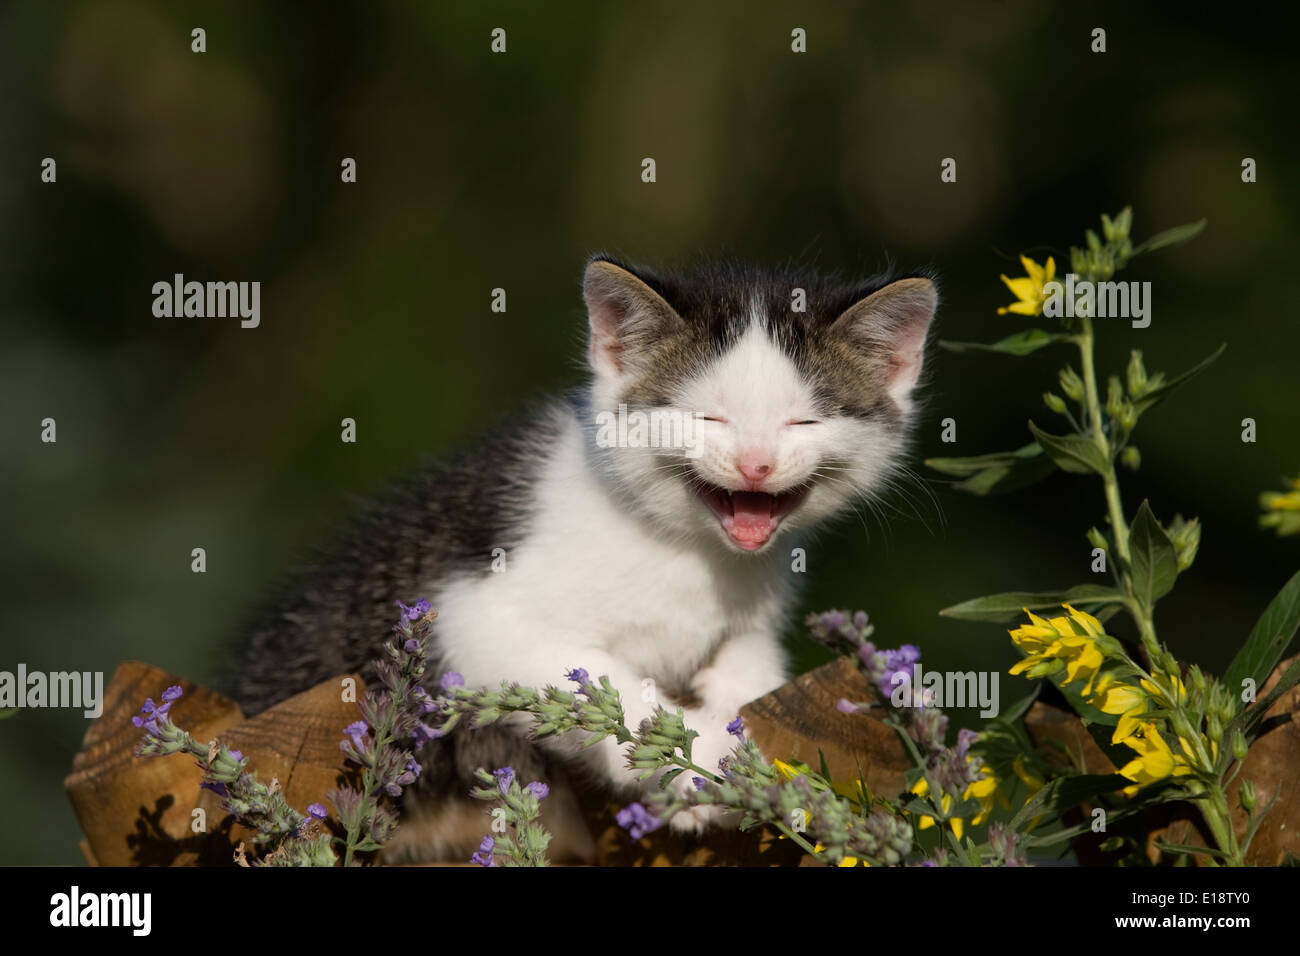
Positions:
(751, 516)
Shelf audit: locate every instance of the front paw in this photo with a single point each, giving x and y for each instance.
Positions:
(693, 821)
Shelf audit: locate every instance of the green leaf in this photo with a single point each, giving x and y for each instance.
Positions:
(1073, 453)
(1005, 478)
(1249, 718)
(1157, 395)
(961, 467)
(1066, 792)
(1171, 237)
(1268, 639)
(998, 472)
(1185, 848)
(1007, 607)
(669, 777)
(1154, 562)
(1019, 344)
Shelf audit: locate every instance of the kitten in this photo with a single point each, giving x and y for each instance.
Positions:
(665, 568)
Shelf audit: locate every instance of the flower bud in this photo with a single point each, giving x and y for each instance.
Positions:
(1054, 402)
(1131, 458)
(1071, 384)
(1045, 668)
(1128, 416)
(1239, 748)
(1213, 726)
(1186, 538)
(1137, 374)
(1098, 540)
(1107, 228)
(1249, 800)
(1078, 261)
(1114, 397)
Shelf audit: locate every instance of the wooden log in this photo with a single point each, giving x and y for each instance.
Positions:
(801, 721)
(139, 811)
(296, 744)
(136, 811)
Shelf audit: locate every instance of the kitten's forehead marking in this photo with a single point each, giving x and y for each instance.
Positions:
(754, 379)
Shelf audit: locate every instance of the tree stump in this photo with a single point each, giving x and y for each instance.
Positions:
(147, 810)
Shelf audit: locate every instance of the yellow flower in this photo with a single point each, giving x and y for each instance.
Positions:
(853, 791)
(1154, 762)
(1032, 783)
(921, 788)
(1278, 501)
(1114, 697)
(1029, 289)
(985, 790)
(1176, 696)
(1071, 640)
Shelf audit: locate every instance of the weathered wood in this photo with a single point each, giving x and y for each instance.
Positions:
(296, 743)
(136, 811)
(801, 720)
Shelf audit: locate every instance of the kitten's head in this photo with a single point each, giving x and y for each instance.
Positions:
(775, 397)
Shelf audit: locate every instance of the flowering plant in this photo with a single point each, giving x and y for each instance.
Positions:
(391, 718)
(1176, 732)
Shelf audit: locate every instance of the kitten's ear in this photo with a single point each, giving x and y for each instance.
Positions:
(627, 318)
(892, 323)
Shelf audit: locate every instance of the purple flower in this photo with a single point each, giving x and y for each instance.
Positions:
(356, 732)
(318, 811)
(483, 857)
(904, 657)
(965, 738)
(237, 755)
(413, 768)
(538, 789)
(866, 652)
(423, 733)
(411, 646)
(846, 706)
(218, 788)
(737, 729)
(452, 679)
(421, 608)
(579, 676)
(505, 776)
(637, 820)
(172, 693)
(699, 782)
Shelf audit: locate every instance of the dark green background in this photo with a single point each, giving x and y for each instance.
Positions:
(479, 171)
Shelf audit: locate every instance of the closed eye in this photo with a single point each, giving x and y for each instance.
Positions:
(805, 422)
(709, 418)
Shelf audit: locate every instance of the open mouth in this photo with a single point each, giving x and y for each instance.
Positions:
(750, 517)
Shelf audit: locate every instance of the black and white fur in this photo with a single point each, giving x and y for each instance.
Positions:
(661, 570)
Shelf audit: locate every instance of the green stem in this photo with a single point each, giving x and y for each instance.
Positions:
(1097, 433)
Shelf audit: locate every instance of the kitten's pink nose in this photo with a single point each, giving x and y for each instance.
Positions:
(754, 468)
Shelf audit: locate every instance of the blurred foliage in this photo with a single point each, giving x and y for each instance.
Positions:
(479, 171)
